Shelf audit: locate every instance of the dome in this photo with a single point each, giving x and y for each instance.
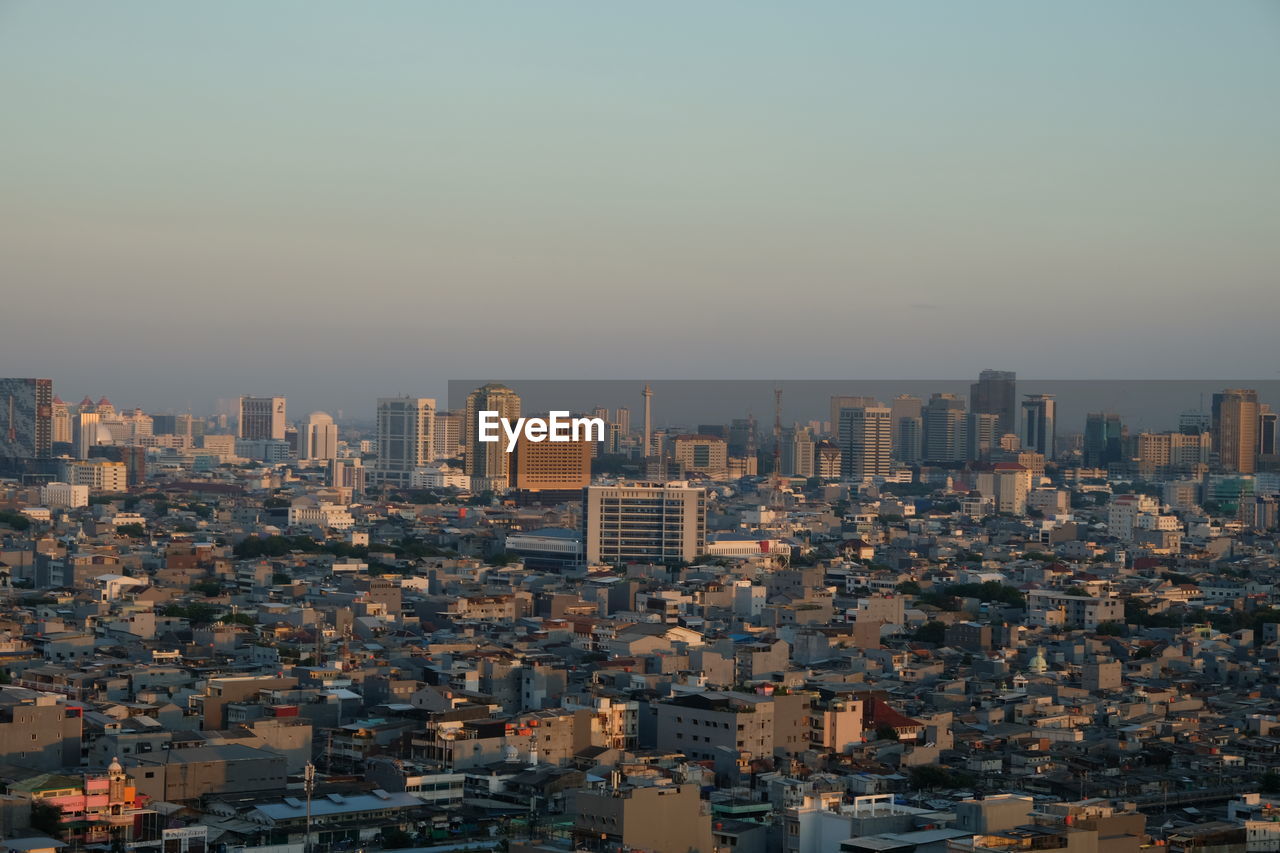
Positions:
(115, 767)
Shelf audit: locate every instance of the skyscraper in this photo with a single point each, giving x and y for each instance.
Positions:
(262, 418)
(1268, 438)
(489, 461)
(26, 420)
(318, 437)
(1235, 430)
(61, 423)
(995, 394)
(866, 446)
(982, 435)
(406, 432)
(903, 408)
(448, 440)
(944, 429)
(1103, 439)
(1039, 424)
(545, 466)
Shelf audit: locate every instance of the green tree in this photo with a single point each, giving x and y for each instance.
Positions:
(931, 632)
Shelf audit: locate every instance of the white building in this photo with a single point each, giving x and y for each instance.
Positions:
(440, 477)
(99, 475)
(262, 418)
(64, 495)
(1123, 512)
(1049, 608)
(306, 512)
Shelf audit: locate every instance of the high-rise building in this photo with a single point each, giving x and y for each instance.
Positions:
(797, 452)
(87, 432)
(1194, 422)
(26, 420)
(1039, 424)
(1235, 430)
(839, 402)
(911, 440)
(646, 448)
(865, 441)
(982, 435)
(826, 461)
(448, 440)
(1168, 454)
(348, 473)
(406, 433)
(903, 408)
(944, 429)
(995, 393)
(1103, 439)
(1268, 438)
(489, 462)
(318, 437)
(262, 418)
(61, 423)
(623, 419)
(645, 523)
(551, 466)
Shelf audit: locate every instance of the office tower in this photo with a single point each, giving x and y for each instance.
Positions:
(26, 420)
(645, 523)
(1235, 430)
(865, 442)
(911, 440)
(623, 419)
(647, 447)
(797, 452)
(1268, 438)
(1039, 427)
(1166, 454)
(1103, 439)
(448, 438)
(347, 473)
(702, 455)
(982, 435)
(489, 461)
(133, 457)
(60, 425)
(406, 430)
(839, 402)
(904, 407)
(944, 429)
(1194, 422)
(318, 437)
(262, 418)
(995, 394)
(100, 475)
(742, 437)
(551, 466)
(87, 433)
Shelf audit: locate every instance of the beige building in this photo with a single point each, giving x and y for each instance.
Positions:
(262, 418)
(550, 465)
(866, 441)
(406, 433)
(702, 455)
(659, 817)
(1235, 430)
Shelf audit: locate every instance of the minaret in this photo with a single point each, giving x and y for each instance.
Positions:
(648, 423)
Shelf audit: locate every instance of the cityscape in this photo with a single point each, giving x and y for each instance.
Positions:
(953, 623)
(640, 427)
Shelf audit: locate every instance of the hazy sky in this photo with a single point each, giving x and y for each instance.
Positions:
(336, 201)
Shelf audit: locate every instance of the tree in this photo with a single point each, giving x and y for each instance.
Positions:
(909, 588)
(133, 531)
(929, 777)
(884, 731)
(931, 632)
(46, 818)
(395, 838)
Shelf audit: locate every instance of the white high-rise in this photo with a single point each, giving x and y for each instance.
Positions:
(262, 418)
(866, 441)
(406, 436)
(318, 437)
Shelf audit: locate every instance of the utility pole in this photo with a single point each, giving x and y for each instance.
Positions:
(309, 786)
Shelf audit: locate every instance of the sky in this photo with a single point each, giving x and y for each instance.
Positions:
(339, 201)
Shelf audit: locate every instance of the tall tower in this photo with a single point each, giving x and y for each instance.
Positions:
(1235, 429)
(26, 419)
(489, 460)
(1039, 424)
(406, 436)
(944, 426)
(865, 441)
(318, 438)
(995, 394)
(647, 394)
